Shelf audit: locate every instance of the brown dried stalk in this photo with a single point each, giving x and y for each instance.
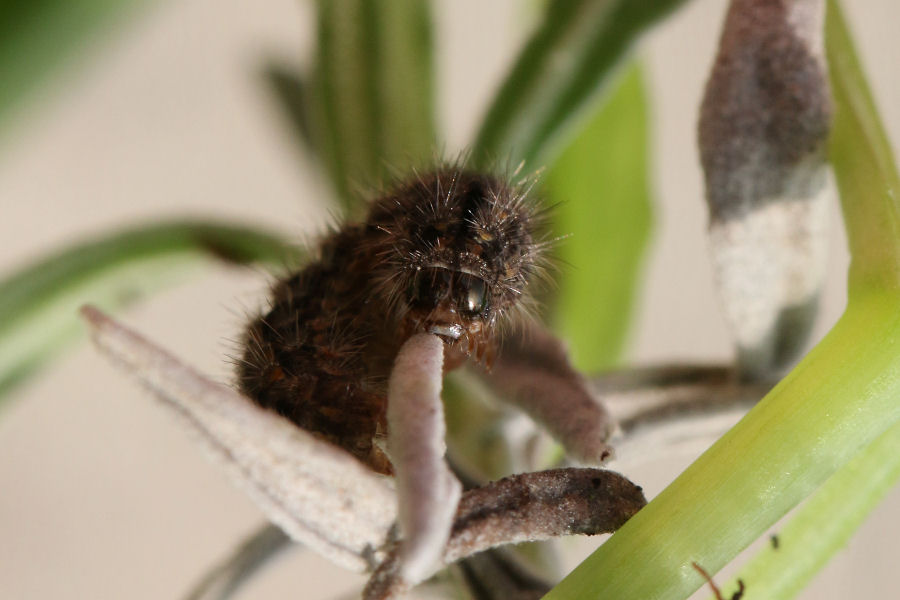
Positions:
(253, 553)
(526, 508)
(672, 408)
(499, 574)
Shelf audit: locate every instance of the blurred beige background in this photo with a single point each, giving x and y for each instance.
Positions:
(103, 495)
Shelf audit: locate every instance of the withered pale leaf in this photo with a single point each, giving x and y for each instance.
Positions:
(316, 492)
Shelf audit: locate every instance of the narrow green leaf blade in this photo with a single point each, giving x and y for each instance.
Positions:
(292, 93)
(38, 304)
(38, 36)
(864, 165)
(601, 192)
(825, 524)
(558, 76)
(373, 105)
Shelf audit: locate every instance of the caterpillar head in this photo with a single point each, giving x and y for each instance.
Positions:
(459, 254)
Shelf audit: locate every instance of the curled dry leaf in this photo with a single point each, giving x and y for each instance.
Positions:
(427, 489)
(533, 373)
(762, 132)
(541, 505)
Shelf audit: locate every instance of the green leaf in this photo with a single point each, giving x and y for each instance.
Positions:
(38, 304)
(559, 75)
(292, 93)
(38, 36)
(840, 399)
(824, 525)
(373, 102)
(865, 166)
(600, 188)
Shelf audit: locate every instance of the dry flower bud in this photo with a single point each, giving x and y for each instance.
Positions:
(763, 126)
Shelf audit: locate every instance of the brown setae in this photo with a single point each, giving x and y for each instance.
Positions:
(451, 252)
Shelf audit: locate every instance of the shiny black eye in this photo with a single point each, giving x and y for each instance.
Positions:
(430, 286)
(474, 297)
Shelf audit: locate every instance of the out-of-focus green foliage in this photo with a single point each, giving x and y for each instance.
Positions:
(39, 304)
(600, 191)
(39, 36)
(370, 99)
(559, 75)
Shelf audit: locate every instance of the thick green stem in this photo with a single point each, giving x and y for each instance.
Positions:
(825, 524)
(865, 168)
(864, 164)
(840, 398)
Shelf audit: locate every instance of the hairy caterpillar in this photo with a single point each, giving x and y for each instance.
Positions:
(451, 252)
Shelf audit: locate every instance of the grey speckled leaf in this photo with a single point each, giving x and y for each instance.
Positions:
(526, 508)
